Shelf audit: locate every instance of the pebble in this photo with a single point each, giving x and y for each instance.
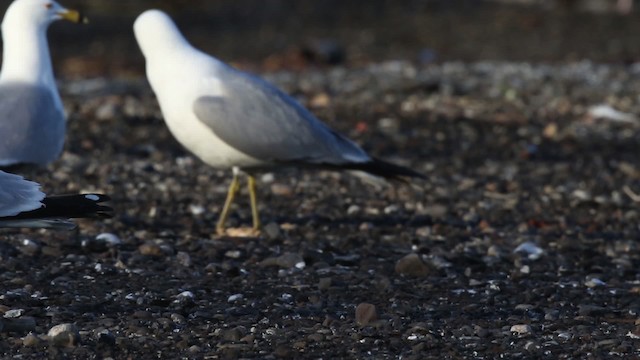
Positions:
(31, 340)
(366, 314)
(271, 230)
(29, 247)
(111, 240)
(530, 249)
(194, 349)
(287, 260)
(412, 265)
(324, 283)
(279, 189)
(105, 336)
(234, 334)
(150, 249)
(184, 259)
(13, 313)
(64, 335)
(521, 329)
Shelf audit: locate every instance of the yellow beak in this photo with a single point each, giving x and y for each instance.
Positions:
(73, 16)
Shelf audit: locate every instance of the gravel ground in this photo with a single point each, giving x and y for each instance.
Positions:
(522, 242)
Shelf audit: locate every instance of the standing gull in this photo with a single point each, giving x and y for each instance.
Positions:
(32, 121)
(234, 120)
(22, 204)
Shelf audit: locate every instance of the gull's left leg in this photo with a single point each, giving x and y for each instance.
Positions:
(233, 190)
(254, 204)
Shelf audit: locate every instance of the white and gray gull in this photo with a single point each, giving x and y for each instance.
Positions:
(22, 204)
(233, 120)
(32, 120)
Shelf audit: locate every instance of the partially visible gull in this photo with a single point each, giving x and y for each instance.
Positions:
(22, 204)
(32, 120)
(234, 120)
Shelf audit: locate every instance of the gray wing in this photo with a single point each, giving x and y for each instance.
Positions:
(32, 128)
(18, 195)
(259, 120)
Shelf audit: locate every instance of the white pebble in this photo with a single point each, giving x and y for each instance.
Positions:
(532, 250)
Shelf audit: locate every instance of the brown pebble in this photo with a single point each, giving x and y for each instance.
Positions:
(31, 340)
(412, 265)
(150, 249)
(365, 314)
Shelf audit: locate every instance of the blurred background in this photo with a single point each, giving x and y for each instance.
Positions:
(274, 34)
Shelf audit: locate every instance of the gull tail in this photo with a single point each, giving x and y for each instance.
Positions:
(58, 209)
(387, 170)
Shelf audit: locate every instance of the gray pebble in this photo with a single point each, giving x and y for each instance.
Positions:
(64, 335)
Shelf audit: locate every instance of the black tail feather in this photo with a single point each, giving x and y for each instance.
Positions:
(70, 206)
(385, 169)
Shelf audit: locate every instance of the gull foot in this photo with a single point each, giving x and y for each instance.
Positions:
(239, 232)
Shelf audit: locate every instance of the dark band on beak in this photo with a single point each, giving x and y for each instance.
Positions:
(73, 16)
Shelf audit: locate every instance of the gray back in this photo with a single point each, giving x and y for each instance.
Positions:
(32, 129)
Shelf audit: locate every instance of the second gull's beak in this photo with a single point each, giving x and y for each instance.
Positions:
(73, 16)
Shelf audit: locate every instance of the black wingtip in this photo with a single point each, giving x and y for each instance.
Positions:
(386, 170)
(72, 206)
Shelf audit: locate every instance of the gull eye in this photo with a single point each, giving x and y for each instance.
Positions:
(48, 5)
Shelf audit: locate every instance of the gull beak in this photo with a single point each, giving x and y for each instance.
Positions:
(73, 16)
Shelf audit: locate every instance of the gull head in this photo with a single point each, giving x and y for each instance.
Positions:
(40, 12)
(156, 33)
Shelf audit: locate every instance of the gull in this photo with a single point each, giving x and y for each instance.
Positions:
(234, 120)
(32, 120)
(23, 205)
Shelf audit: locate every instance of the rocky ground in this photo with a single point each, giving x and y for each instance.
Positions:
(522, 242)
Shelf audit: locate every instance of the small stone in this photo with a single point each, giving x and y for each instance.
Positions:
(105, 336)
(594, 282)
(271, 230)
(64, 335)
(365, 314)
(150, 249)
(234, 334)
(13, 313)
(178, 319)
(591, 310)
(320, 100)
(184, 259)
(31, 340)
(324, 283)
(235, 297)
(287, 260)
(111, 240)
(29, 247)
(194, 349)
(248, 339)
(233, 254)
(281, 189)
(531, 250)
(412, 265)
(550, 131)
(521, 329)
(196, 209)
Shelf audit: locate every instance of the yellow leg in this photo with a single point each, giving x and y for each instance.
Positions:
(254, 204)
(233, 190)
